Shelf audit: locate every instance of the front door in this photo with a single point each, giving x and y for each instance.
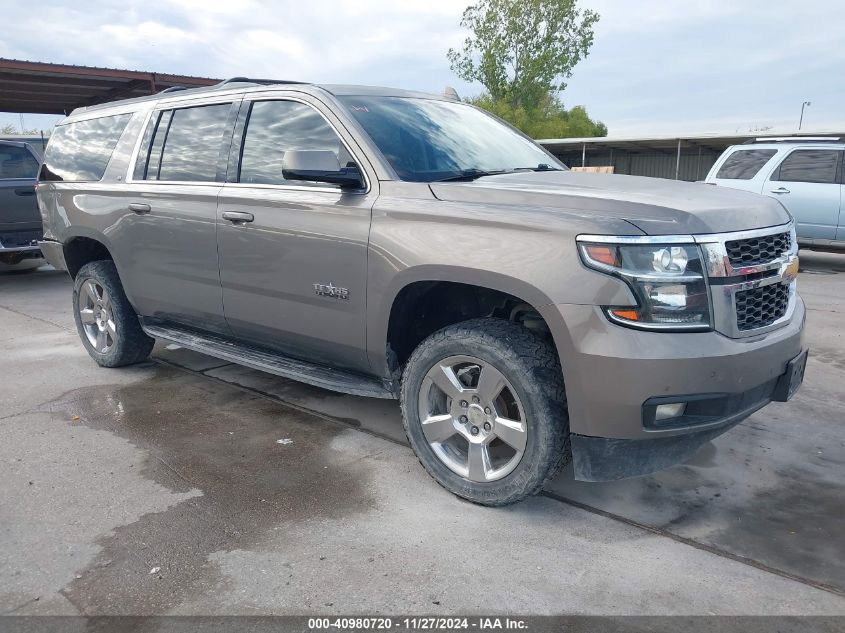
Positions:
(294, 275)
(807, 184)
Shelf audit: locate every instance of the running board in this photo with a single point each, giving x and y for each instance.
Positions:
(816, 244)
(301, 371)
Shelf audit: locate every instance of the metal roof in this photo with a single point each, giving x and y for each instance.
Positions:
(41, 88)
(664, 143)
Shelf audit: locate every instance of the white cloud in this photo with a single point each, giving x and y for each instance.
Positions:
(656, 64)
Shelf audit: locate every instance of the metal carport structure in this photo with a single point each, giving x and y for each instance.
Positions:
(680, 157)
(42, 88)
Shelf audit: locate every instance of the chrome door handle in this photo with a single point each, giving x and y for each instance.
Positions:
(237, 216)
(780, 190)
(139, 207)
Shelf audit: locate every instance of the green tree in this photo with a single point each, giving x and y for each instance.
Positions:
(10, 129)
(548, 119)
(521, 51)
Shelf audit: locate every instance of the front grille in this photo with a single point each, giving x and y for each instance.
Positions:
(19, 239)
(757, 250)
(761, 306)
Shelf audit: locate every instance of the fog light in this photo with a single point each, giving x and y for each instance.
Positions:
(667, 411)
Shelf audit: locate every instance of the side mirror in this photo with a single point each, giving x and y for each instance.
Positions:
(319, 166)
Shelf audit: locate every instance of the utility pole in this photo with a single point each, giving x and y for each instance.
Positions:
(801, 120)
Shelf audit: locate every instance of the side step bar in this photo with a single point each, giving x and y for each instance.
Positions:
(830, 246)
(301, 371)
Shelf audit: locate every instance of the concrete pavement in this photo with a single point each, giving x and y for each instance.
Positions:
(188, 486)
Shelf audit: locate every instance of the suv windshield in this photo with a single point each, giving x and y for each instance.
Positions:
(427, 140)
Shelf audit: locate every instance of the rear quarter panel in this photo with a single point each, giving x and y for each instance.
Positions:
(91, 209)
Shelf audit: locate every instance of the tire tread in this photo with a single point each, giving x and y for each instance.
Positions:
(537, 355)
(133, 345)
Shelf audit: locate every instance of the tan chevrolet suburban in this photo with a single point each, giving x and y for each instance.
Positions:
(403, 245)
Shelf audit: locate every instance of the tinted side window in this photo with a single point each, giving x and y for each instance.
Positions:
(809, 165)
(81, 151)
(274, 127)
(186, 144)
(149, 153)
(744, 164)
(17, 162)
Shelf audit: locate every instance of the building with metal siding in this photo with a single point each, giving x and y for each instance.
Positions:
(687, 158)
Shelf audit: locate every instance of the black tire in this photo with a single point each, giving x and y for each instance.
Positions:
(530, 363)
(129, 345)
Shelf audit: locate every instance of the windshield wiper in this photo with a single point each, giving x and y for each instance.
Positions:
(471, 174)
(466, 175)
(540, 167)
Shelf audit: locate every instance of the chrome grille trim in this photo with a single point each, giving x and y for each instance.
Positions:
(761, 306)
(758, 250)
(723, 295)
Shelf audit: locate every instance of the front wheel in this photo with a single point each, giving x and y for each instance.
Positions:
(484, 409)
(107, 323)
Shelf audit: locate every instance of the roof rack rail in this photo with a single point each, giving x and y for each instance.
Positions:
(248, 80)
(172, 89)
(794, 139)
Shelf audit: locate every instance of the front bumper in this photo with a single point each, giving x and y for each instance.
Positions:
(614, 375)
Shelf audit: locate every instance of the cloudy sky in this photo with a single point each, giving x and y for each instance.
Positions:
(657, 66)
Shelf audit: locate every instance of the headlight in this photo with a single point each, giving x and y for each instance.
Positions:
(666, 279)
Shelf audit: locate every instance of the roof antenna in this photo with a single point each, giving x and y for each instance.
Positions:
(450, 92)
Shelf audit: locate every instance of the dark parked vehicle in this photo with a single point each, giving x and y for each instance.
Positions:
(401, 245)
(20, 221)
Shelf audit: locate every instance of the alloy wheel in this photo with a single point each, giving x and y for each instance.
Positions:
(96, 315)
(472, 418)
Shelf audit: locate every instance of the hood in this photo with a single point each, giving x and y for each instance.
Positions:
(656, 206)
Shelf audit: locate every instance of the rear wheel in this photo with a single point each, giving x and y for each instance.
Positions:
(106, 322)
(485, 411)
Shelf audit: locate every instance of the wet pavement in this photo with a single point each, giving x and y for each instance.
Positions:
(186, 485)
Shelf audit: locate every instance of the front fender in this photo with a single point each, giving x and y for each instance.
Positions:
(528, 252)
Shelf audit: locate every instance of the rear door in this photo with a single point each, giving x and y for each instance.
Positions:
(807, 182)
(20, 222)
(294, 277)
(168, 237)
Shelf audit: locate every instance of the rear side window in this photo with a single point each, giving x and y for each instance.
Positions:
(273, 128)
(744, 164)
(81, 151)
(183, 145)
(17, 162)
(809, 165)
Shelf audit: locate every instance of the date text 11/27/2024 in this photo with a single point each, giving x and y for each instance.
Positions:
(416, 623)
